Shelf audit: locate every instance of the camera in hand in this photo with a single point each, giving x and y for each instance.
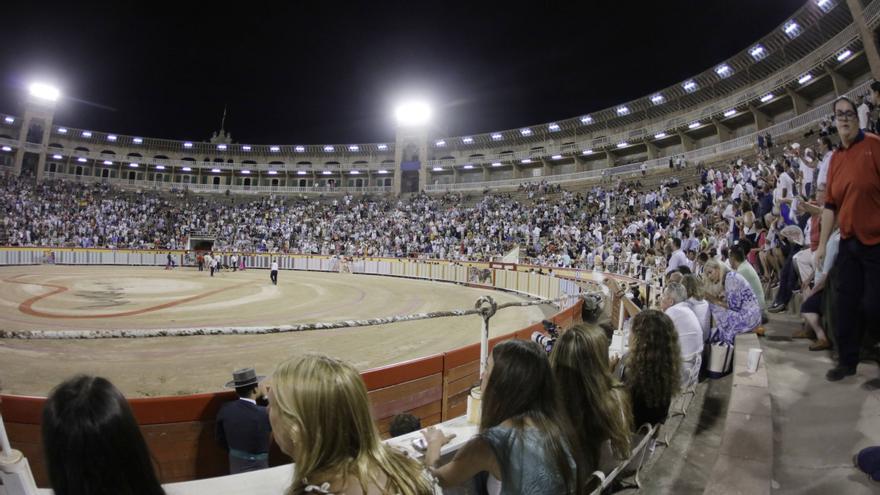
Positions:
(546, 340)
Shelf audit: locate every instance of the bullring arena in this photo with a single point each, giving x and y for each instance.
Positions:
(412, 256)
(110, 299)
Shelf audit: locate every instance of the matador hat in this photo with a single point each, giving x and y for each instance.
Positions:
(244, 377)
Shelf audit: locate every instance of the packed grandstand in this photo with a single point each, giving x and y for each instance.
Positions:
(754, 201)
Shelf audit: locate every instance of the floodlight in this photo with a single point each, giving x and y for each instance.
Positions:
(62, 130)
(660, 135)
(355, 172)
(467, 140)
(86, 134)
(556, 157)
(215, 170)
(301, 172)
(790, 28)
(624, 144)
(825, 5)
(160, 167)
(354, 147)
(526, 160)
(441, 143)
(298, 149)
(6, 148)
(111, 137)
(730, 113)
(690, 86)
(186, 169)
(221, 147)
(437, 169)
(587, 152)
(622, 110)
(273, 172)
(553, 127)
(81, 160)
(137, 140)
(497, 137)
(586, 119)
(246, 172)
(496, 164)
(525, 132)
(382, 147)
(133, 165)
(44, 92)
(757, 52)
(187, 145)
(245, 148)
(844, 55)
(383, 172)
(274, 149)
(723, 70)
(413, 113)
(468, 167)
(327, 172)
(56, 157)
(329, 149)
(108, 162)
(657, 99)
(805, 79)
(9, 120)
(767, 97)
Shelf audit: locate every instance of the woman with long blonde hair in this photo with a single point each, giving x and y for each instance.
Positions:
(597, 403)
(321, 418)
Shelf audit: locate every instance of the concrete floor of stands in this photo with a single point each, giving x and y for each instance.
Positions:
(817, 425)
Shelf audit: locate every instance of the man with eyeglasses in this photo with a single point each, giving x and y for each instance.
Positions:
(852, 202)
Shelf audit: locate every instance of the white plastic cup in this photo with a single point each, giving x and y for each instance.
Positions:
(754, 359)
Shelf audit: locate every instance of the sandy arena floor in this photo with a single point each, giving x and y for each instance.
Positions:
(99, 298)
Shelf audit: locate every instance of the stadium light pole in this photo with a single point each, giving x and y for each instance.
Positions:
(39, 109)
(411, 148)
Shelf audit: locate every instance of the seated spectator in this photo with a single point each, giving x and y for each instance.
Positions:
(811, 309)
(320, 417)
(403, 424)
(525, 437)
(674, 303)
(92, 443)
(597, 404)
(698, 305)
(651, 369)
(734, 307)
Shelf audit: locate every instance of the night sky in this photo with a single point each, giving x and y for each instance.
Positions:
(327, 72)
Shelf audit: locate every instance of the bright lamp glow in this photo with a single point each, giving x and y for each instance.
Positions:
(327, 172)
(383, 172)
(44, 91)
(553, 127)
(329, 149)
(844, 55)
(273, 172)
(587, 152)
(274, 149)
(215, 170)
(805, 79)
(440, 143)
(160, 167)
(301, 172)
(586, 119)
(525, 132)
(187, 145)
(62, 130)
(660, 135)
(437, 169)
(56, 157)
(382, 147)
(497, 137)
(6, 148)
(221, 147)
(526, 160)
(496, 164)
(354, 147)
(467, 140)
(355, 172)
(137, 140)
(767, 97)
(694, 125)
(758, 52)
(111, 137)
(81, 160)
(246, 172)
(730, 113)
(556, 157)
(622, 145)
(468, 167)
(186, 169)
(723, 70)
(108, 162)
(299, 149)
(86, 134)
(245, 148)
(413, 113)
(622, 110)
(133, 165)
(689, 86)
(9, 120)
(657, 99)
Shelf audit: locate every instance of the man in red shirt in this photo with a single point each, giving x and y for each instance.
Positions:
(852, 201)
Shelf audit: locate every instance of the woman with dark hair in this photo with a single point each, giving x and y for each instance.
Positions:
(92, 444)
(525, 438)
(651, 370)
(597, 403)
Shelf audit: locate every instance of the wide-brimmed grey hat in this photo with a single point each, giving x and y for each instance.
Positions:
(244, 377)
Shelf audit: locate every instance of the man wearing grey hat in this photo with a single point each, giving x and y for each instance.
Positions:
(243, 426)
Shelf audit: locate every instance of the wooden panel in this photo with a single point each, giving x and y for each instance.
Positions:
(162, 410)
(393, 400)
(186, 451)
(22, 409)
(402, 372)
(424, 413)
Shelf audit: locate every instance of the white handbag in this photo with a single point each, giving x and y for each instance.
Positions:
(720, 359)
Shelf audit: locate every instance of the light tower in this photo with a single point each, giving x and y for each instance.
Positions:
(411, 150)
(33, 137)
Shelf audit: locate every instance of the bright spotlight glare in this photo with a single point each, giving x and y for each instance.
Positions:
(413, 113)
(44, 91)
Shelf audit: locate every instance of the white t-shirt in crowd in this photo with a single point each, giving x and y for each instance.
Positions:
(701, 311)
(822, 178)
(677, 259)
(690, 333)
(275, 266)
(786, 183)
